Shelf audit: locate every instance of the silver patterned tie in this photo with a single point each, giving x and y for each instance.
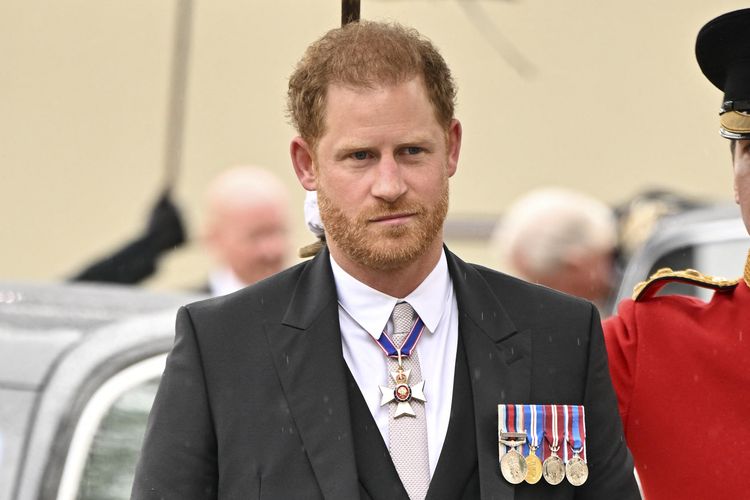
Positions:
(407, 435)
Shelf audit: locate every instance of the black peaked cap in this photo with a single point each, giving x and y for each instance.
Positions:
(723, 52)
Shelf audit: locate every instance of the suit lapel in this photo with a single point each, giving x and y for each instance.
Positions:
(307, 354)
(499, 361)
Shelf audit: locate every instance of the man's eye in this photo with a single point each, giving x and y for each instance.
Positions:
(413, 150)
(360, 155)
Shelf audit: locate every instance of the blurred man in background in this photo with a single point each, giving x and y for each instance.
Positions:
(247, 227)
(561, 239)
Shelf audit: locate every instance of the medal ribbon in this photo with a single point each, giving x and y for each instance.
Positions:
(510, 420)
(522, 427)
(583, 432)
(577, 430)
(543, 412)
(390, 349)
(551, 429)
(501, 426)
(554, 427)
(511, 410)
(535, 424)
(566, 439)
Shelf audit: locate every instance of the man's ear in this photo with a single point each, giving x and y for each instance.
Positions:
(454, 146)
(303, 161)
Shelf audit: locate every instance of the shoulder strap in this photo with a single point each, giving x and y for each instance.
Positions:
(647, 289)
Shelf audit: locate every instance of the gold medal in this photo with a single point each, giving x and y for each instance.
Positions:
(553, 469)
(576, 471)
(533, 468)
(513, 467)
(535, 415)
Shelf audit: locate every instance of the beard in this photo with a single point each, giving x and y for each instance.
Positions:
(384, 248)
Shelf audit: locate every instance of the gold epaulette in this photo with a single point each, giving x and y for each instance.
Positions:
(647, 289)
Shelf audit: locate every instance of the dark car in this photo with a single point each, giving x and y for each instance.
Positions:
(79, 367)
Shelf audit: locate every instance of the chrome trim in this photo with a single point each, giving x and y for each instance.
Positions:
(92, 415)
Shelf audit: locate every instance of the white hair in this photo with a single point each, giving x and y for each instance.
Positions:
(243, 186)
(547, 224)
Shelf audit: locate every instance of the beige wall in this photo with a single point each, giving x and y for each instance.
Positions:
(606, 98)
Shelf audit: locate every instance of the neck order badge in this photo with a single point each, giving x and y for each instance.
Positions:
(403, 392)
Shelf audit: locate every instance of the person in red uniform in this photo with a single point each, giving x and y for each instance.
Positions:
(681, 366)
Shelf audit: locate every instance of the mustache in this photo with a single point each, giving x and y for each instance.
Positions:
(384, 209)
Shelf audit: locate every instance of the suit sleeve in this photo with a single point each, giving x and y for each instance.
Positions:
(610, 464)
(178, 458)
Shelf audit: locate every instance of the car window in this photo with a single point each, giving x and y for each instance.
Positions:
(108, 474)
(103, 453)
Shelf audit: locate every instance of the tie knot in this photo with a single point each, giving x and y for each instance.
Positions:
(403, 318)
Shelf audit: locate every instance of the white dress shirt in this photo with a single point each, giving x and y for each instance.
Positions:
(223, 281)
(363, 315)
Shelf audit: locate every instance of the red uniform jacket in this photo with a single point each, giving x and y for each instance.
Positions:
(681, 370)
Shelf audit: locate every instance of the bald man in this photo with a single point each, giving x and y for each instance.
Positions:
(562, 239)
(247, 227)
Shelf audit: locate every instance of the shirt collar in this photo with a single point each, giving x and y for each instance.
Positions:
(223, 281)
(371, 309)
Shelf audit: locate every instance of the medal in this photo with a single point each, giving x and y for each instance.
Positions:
(536, 428)
(576, 469)
(402, 392)
(513, 467)
(512, 462)
(553, 469)
(533, 469)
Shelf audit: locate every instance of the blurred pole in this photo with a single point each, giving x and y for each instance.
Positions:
(177, 93)
(512, 55)
(349, 11)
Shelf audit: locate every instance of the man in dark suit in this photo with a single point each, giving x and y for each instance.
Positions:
(375, 370)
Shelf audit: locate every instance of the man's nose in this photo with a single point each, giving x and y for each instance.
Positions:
(389, 184)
